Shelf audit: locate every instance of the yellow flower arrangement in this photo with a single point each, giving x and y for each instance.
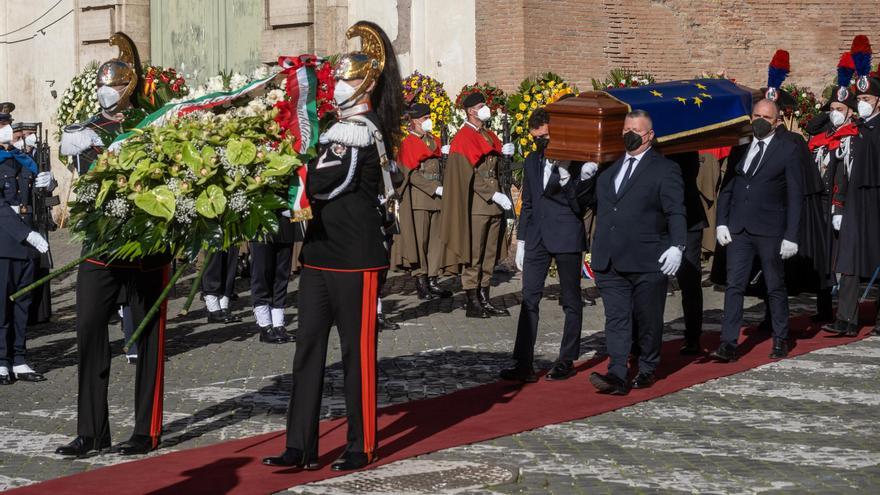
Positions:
(419, 88)
(533, 94)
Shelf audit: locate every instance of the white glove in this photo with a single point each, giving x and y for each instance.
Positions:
(38, 242)
(438, 191)
(444, 149)
(588, 170)
(507, 149)
(788, 249)
(836, 220)
(520, 254)
(563, 175)
(722, 233)
(75, 142)
(502, 201)
(16, 209)
(286, 213)
(671, 259)
(43, 179)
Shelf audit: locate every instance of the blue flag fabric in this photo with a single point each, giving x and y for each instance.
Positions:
(685, 108)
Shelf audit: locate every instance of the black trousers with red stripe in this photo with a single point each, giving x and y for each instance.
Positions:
(99, 291)
(349, 300)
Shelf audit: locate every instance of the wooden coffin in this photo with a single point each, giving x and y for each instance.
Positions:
(590, 127)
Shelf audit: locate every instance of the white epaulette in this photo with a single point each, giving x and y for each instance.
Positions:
(349, 133)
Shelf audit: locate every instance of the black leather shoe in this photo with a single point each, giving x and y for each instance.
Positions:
(725, 353)
(422, 290)
(519, 374)
(562, 370)
(290, 334)
(852, 330)
(487, 306)
(30, 376)
(136, 445)
(474, 308)
(6, 380)
(780, 349)
(690, 348)
(81, 446)
(229, 317)
(608, 384)
(839, 327)
(291, 458)
(385, 323)
(216, 317)
(270, 336)
(350, 461)
(644, 380)
(434, 288)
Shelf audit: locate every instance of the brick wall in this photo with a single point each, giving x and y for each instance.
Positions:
(673, 39)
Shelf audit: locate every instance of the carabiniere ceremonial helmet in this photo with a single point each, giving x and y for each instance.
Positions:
(122, 70)
(366, 64)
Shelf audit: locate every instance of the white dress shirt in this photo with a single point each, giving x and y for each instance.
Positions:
(619, 178)
(753, 150)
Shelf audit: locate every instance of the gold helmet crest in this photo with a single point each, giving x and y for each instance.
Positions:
(122, 70)
(366, 64)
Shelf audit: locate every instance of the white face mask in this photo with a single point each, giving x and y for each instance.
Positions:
(19, 144)
(343, 93)
(6, 134)
(837, 118)
(427, 125)
(484, 113)
(108, 97)
(865, 109)
(30, 140)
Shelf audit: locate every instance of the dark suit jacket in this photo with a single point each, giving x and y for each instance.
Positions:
(693, 202)
(637, 224)
(769, 203)
(552, 217)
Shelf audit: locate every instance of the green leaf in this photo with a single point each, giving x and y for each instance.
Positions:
(102, 193)
(241, 152)
(280, 164)
(192, 158)
(211, 203)
(208, 155)
(158, 202)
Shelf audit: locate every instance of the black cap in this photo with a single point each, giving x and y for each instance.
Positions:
(871, 88)
(418, 110)
(5, 117)
(18, 126)
(473, 99)
(842, 95)
(6, 107)
(28, 126)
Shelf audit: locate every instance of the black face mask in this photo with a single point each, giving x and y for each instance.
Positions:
(632, 141)
(761, 128)
(542, 142)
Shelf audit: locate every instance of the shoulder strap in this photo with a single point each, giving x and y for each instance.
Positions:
(384, 163)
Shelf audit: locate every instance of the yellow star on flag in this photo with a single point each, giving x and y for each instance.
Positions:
(700, 86)
(706, 95)
(682, 100)
(657, 93)
(698, 100)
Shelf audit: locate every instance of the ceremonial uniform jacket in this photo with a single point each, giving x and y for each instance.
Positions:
(859, 252)
(16, 182)
(343, 183)
(419, 157)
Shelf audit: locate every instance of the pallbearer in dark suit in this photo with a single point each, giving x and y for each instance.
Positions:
(758, 215)
(639, 241)
(550, 227)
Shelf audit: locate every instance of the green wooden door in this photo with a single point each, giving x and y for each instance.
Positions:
(203, 37)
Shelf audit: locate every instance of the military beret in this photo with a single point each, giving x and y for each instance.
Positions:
(418, 110)
(473, 99)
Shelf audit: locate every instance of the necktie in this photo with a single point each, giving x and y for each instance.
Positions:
(553, 180)
(629, 169)
(753, 165)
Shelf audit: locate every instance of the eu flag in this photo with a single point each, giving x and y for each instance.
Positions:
(684, 108)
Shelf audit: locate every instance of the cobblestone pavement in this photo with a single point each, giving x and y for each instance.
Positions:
(802, 425)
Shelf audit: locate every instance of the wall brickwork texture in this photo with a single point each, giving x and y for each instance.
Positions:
(672, 39)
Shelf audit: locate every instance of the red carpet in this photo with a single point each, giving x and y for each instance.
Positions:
(415, 428)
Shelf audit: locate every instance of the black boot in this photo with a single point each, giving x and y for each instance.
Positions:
(422, 290)
(839, 327)
(491, 310)
(434, 288)
(473, 308)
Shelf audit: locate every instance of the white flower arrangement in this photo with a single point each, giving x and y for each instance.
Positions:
(79, 101)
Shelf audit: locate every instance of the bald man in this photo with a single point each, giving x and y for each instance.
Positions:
(759, 212)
